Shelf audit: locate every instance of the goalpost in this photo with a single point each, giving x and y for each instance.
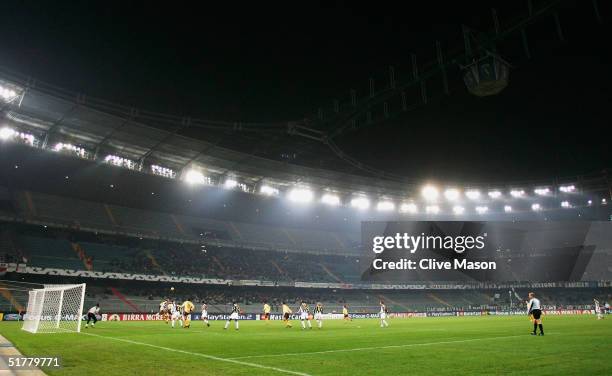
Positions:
(55, 308)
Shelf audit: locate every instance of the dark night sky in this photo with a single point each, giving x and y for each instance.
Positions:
(272, 61)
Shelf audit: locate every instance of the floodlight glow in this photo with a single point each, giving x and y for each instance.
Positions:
(7, 94)
(507, 208)
(268, 190)
(163, 171)
(482, 209)
(111, 159)
(536, 207)
(542, 191)
(567, 188)
(495, 194)
(385, 206)
(360, 203)
(409, 208)
(230, 184)
(517, 193)
(301, 195)
(194, 177)
(6, 133)
(604, 201)
(590, 202)
(430, 193)
(432, 209)
(451, 194)
(330, 199)
(458, 210)
(473, 194)
(565, 204)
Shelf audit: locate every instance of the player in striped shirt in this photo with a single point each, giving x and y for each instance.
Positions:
(383, 315)
(318, 315)
(304, 311)
(235, 315)
(534, 309)
(598, 309)
(174, 313)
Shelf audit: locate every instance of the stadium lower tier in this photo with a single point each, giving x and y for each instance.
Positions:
(144, 297)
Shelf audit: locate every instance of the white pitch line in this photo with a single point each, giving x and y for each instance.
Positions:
(373, 348)
(212, 357)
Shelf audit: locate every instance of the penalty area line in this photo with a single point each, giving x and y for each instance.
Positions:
(211, 357)
(376, 347)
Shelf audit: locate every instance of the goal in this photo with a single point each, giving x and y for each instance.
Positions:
(55, 308)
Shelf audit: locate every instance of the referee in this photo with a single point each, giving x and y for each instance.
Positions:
(534, 309)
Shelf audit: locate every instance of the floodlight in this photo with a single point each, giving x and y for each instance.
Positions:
(163, 171)
(458, 209)
(565, 204)
(268, 190)
(360, 203)
(330, 199)
(430, 193)
(301, 195)
(194, 177)
(6, 133)
(507, 208)
(451, 194)
(495, 194)
(7, 94)
(482, 209)
(542, 191)
(473, 194)
(432, 209)
(517, 193)
(230, 184)
(409, 208)
(385, 206)
(604, 201)
(567, 188)
(536, 207)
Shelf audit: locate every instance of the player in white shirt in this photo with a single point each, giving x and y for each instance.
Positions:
(383, 315)
(598, 309)
(174, 313)
(92, 315)
(163, 310)
(534, 309)
(304, 312)
(205, 314)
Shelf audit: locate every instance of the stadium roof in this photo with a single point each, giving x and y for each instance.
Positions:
(101, 127)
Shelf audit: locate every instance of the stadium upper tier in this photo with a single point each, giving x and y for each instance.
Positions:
(101, 217)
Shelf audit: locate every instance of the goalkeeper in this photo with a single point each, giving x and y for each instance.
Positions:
(92, 315)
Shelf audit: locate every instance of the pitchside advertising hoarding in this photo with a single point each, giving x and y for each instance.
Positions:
(542, 251)
(326, 316)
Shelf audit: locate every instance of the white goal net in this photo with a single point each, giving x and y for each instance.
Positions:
(55, 308)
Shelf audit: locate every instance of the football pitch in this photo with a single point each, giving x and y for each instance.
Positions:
(421, 346)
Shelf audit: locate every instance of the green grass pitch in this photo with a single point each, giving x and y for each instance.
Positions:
(579, 345)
